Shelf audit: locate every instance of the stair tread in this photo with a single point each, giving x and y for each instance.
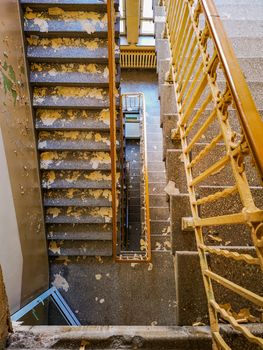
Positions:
(48, 27)
(78, 228)
(70, 97)
(249, 28)
(65, 74)
(80, 247)
(96, 215)
(77, 202)
(73, 119)
(73, 145)
(81, 236)
(77, 197)
(77, 179)
(73, 165)
(243, 12)
(75, 160)
(75, 140)
(84, 184)
(69, 50)
(246, 46)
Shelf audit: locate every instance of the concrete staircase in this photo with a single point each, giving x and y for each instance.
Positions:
(161, 304)
(67, 56)
(243, 22)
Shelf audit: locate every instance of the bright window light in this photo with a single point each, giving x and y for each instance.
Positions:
(147, 27)
(147, 11)
(121, 9)
(123, 17)
(122, 26)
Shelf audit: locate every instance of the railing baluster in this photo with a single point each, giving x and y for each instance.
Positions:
(183, 49)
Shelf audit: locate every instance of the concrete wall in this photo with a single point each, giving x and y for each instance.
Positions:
(23, 252)
(5, 326)
(11, 258)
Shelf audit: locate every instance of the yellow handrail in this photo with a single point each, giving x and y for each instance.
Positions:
(250, 119)
(112, 100)
(207, 107)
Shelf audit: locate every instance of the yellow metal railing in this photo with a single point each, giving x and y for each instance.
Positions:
(220, 130)
(136, 101)
(112, 101)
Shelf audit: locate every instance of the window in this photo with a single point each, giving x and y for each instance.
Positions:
(146, 23)
(122, 17)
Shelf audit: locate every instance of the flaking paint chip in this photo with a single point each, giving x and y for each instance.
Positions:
(98, 277)
(84, 344)
(60, 282)
(42, 24)
(150, 267)
(167, 244)
(54, 248)
(134, 264)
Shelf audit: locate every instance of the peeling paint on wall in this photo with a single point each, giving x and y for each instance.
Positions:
(9, 80)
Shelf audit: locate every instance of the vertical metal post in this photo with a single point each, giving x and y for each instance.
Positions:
(112, 101)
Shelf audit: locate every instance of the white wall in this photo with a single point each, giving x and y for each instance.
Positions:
(11, 258)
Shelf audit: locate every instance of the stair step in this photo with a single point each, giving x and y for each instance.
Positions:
(77, 179)
(74, 74)
(252, 68)
(75, 215)
(70, 97)
(60, 145)
(77, 198)
(225, 176)
(80, 5)
(227, 205)
(247, 47)
(68, 50)
(75, 140)
(71, 119)
(255, 88)
(80, 248)
(244, 12)
(93, 25)
(243, 28)
(75, 161)
(214, 127)
(79, 232)
(244, 3)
